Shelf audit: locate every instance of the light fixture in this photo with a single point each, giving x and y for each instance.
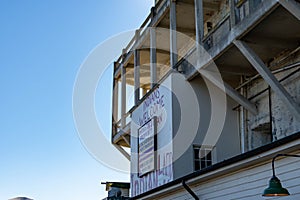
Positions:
(275, 188)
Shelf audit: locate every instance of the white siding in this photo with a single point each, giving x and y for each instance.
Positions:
(247, 183)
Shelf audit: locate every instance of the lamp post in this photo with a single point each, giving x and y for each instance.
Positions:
(275, 188)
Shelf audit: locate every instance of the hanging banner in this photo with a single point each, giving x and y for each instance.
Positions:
(151, 142)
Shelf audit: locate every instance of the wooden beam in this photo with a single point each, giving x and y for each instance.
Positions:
(173, 34)
(229, 91)
(267, 75)
(292, 6)
(153, 57)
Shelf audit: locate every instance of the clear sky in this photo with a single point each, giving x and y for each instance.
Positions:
(43, 44)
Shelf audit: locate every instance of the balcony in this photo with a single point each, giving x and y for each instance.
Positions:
(147, 60)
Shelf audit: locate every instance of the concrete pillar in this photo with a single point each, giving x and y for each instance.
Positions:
(232, 13)
(153, 57)
(199, 21)
(173, 34)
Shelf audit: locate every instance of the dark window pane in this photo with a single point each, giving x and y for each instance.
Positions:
(196, 153)
(208, 156)
(203, 164)
(197, 165)
(209, 163)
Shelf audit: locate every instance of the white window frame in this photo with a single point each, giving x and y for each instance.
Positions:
(205, 158)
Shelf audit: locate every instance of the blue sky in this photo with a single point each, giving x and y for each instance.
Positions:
(43, 44)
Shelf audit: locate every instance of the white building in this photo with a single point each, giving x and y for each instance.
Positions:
(217, 95)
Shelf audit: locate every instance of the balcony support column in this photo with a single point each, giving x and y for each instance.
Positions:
(232, 13)
(115, 106)
(136, 76)
(123, 96)
(199, 21)
(153, 57)
(173, 34)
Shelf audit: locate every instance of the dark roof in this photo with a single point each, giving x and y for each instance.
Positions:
(117, 185)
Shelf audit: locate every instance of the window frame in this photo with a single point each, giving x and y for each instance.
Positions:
(200, 163)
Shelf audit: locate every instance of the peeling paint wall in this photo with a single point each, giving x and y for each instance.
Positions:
(263, 128)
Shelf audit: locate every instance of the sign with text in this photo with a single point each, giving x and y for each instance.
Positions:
(147, 147)
(151, 141)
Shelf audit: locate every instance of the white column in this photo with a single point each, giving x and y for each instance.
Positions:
(136, 76)
(123, 96)
(115, 106)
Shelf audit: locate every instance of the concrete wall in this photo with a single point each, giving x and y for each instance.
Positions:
(187, 115)
(263, 129)
(226, 145)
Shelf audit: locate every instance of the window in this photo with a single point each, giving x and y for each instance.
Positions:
(202, 157)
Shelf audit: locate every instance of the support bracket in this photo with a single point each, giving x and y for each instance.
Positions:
(267, 75)
(292, 6)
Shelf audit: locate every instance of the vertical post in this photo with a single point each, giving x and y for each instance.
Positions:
(232, 13)
(199, 21)
(123, 96)
(153, 57)
(242, 120)
(136, 76)
(115, 106)
(173, 34)
(115, 100)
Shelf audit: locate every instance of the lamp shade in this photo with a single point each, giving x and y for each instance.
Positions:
(275, 188)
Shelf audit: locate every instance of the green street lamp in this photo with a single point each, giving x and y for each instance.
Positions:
(275, 188)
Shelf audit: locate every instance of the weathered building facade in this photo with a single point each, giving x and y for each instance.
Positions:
(216, 90)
